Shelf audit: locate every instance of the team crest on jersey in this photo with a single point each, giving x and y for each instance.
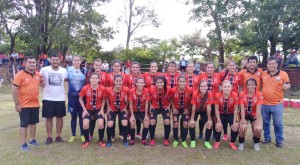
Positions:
(176, 95)
(277, 78)
(258, 73)
(88, 93)
(221, 100)
(37, 78)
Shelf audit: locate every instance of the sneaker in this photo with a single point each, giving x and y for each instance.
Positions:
(139, 136)
(193, 144)
(175, 144)
(108, 144)
(279, 144)
(24, 147)
(82, 138)
(102, 144)
(152, 142)
(128, 137)
(72, 138)
(49, 141)
(184, 144)
(131, 142)
(145, 143)
(33, 142)
(216, 145)
(200, 137)
(125, 144)
(208, 145)
(256, 146)
(166, 142)
(85, 145)
(113, 138)
(241, 146)
(90, 138)
(266, 141)
(58, 139)
(233, 146)
(225, 137)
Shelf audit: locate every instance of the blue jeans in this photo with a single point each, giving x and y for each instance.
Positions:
(276, 111)
(288, 62)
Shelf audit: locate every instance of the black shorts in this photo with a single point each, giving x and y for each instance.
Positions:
(53, 109)
(139, 116)
(29, 116)
(165, 113)
(112, 116)
(74, 107)
(203, 116)
(227, 118)
(250, 118)
(93, 115)
(185, 117)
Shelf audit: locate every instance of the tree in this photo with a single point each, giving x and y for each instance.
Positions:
(222, 14)
(136, 17)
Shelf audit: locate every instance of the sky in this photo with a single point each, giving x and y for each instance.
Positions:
(174, 17)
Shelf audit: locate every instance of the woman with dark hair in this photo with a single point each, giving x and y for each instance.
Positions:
(116, 70)
(97, 68)
(201, 105)
(76, 80)
(231, 75)
(151, 75)
(160, 97)
(192, 80)
(94, 108)
(213, 82)
(226, 108)
(171, 75)
(117, 101)
(250, 102)
(181, 99)
(139, 105)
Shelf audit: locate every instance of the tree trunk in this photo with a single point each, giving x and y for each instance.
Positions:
(129, 24)
(220, 43)
(12, 43)
(273, 44)
(265, 53)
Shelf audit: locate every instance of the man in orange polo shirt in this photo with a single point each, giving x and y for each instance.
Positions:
(251, 72)
(275, 82)
(25, 94)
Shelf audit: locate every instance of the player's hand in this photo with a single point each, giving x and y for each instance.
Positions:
(85, 113)
(192, 123)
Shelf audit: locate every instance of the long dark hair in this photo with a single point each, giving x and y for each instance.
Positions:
(163, 79)
(81, 67)
(116, 76)
(227, 70)
(117, 61)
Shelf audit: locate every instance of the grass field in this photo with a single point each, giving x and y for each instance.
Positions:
(66, 153)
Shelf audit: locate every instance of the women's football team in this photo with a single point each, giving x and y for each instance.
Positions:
(181, 98)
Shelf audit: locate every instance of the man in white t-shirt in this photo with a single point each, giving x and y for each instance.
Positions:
(105, 66)
(54, 97)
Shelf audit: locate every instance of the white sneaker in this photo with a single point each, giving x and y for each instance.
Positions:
(241, 146)
(139, 136)
(256, 146)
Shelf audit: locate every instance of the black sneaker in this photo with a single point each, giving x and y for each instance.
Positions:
(59, 139)
(49, 141)
(279, 144)
(266, 141)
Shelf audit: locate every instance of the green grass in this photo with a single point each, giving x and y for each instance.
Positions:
(66, 153)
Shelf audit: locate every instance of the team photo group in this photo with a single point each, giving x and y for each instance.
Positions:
(220, 105)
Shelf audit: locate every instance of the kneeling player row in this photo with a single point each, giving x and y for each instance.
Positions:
(145, 104)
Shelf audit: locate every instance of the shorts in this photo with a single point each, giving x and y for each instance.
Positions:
(29, 116)
(250, 118)
(53, 109)
(165, 113)
(227, 118)
(112, 115)
(203, 116)
(74, 107)
(93, 115)
(139, 116)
